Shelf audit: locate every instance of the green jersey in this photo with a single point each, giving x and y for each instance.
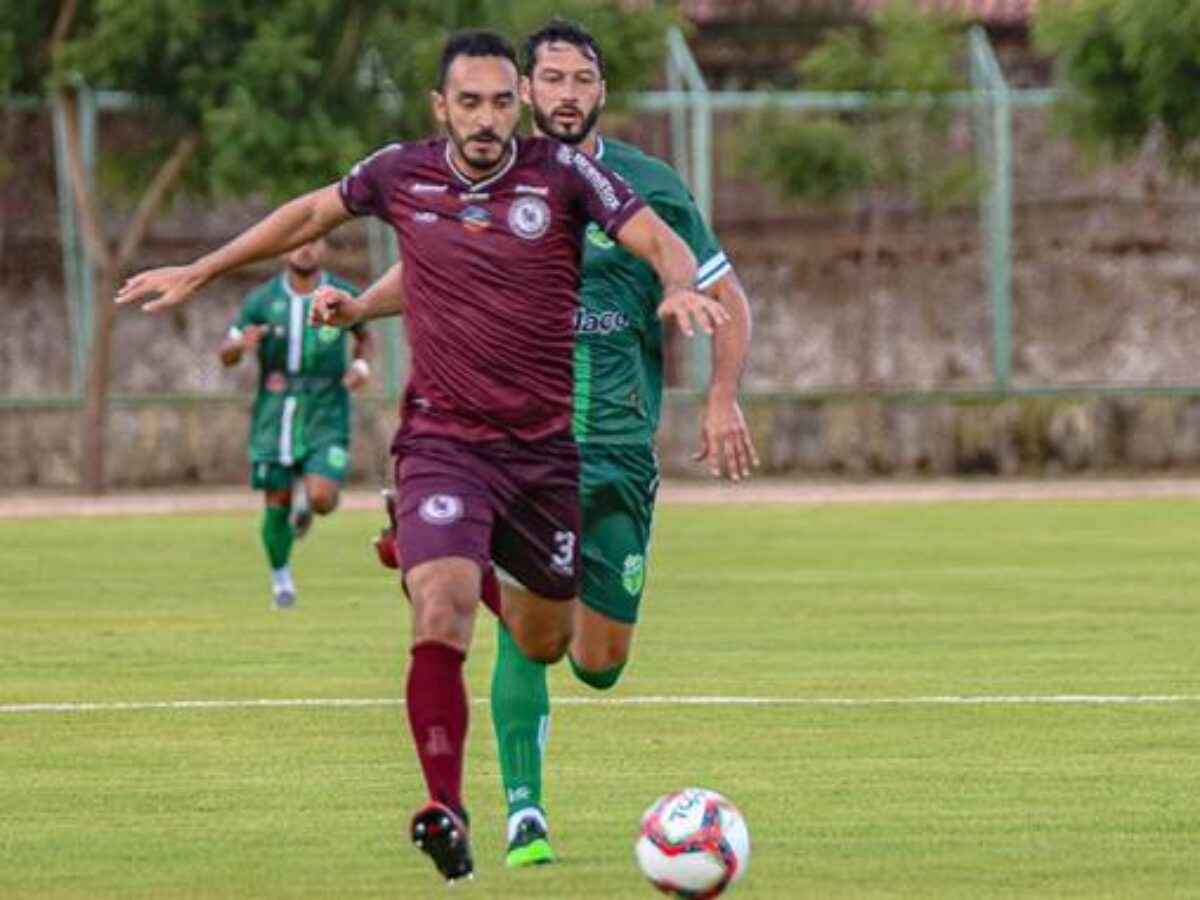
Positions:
(618, 337)
(301, 403)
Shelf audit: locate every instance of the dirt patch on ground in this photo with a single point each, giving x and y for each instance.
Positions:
(813, 493)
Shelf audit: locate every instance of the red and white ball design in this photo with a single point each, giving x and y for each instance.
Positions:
(693, 843)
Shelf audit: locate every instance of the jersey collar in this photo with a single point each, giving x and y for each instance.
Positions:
(296, 295)
(495, 176)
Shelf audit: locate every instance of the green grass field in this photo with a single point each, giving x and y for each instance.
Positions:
(892, 799)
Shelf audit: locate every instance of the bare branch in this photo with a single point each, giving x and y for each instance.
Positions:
(343, 56)
(165, 179)
(62, 27)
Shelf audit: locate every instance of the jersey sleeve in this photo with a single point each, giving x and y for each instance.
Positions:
(364, 188)
(603, 196)
(672, 201)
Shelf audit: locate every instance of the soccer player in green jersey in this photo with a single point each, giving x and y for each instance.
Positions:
(618, 397)
(300, 428)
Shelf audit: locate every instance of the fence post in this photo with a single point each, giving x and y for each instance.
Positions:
(993, 127)
(683, 67)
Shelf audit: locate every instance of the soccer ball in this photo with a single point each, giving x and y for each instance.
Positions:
(693, 843)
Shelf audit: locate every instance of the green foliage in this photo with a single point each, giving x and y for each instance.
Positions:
(25, 28)
(816, 158)
(287, 94)
(1129, 68)
(903, 61)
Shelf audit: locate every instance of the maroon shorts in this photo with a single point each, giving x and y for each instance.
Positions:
(506, 501)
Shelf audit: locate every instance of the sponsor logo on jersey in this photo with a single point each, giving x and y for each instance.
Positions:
(441, 509)
(475, 218)
(633, 573)
(600, 323)
(529, 217)
(474, 196)
(425, 217)
(600, 183)
(597, 238)
(275, 383)
(421, 187)
(538, 189)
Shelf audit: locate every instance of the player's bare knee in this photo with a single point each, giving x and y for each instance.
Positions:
(443, 603)
(324, 503)
(598, 658)
(542, 645)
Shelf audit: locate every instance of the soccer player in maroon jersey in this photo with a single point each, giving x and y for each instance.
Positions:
(490, 228)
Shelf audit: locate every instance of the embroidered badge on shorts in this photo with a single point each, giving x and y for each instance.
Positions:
(634, 574)
(441, 509)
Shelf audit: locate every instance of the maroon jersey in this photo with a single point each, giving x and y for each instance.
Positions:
(491, 278)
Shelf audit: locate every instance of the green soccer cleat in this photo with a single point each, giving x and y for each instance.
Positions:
(529, 847)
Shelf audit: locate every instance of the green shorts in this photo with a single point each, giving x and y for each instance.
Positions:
(618, 486)
(330, 461)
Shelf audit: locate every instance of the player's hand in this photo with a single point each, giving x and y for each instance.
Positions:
(725, 442)
(333, 306)
(162, 288)
(688, 305)
(252, 336)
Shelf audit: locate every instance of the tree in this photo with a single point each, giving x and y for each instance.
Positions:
(255, 97)
(906, 62)
(1128, 69)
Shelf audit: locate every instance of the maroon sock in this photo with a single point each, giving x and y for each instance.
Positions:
(437, 715)
(490, 591)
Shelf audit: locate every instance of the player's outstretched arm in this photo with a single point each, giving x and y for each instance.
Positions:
(239, 341)
(385, 297)
(725, 442)
(297, 222)
(647, 236)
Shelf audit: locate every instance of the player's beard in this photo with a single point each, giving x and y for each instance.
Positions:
(546, 125)
(482, 163)
(303, 271)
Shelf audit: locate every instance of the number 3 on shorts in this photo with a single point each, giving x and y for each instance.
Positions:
(563, 558)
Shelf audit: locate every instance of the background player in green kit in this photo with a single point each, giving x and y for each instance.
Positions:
(618, 395)
(300, 427)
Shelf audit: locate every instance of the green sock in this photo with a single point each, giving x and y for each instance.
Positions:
(521, 717)
(277, 535)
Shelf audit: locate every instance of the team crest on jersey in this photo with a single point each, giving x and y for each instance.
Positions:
(475, 218)
(327, 334)
(633, 575)
(597, 238)
(529, 217)
(441, 509)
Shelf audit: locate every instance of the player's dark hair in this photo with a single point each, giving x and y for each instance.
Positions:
(473, 43)
(561, 31)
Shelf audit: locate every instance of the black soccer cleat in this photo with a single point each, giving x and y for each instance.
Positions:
(441, 834)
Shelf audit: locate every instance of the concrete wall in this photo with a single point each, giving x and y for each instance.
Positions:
(164, 445)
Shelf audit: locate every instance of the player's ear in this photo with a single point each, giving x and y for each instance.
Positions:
(437, 100)
(526, 88)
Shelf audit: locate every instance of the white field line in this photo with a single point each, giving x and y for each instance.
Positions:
(806, 493)
(336, 703)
